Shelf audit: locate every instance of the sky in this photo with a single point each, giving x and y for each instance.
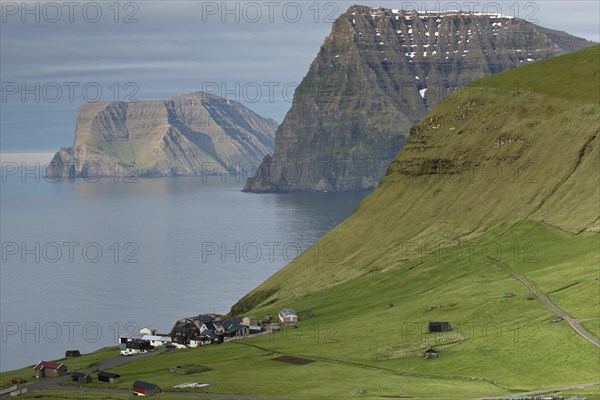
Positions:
(55, 55)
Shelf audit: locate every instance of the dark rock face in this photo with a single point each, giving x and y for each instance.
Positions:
(377, 74)
(190, 134)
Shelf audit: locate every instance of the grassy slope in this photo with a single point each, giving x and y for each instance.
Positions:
(454, 181)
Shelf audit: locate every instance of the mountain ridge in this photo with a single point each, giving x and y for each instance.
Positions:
(378, 72)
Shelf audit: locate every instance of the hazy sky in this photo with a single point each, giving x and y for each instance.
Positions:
(251, 51)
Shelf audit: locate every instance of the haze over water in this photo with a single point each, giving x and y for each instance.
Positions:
(81, 260)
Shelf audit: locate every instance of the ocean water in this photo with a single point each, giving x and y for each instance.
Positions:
(83, 261)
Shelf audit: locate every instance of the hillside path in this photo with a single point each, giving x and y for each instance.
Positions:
(574, 323)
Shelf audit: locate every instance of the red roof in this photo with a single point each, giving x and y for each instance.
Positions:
(48, 364)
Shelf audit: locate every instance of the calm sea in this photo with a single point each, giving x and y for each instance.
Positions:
(83, 262)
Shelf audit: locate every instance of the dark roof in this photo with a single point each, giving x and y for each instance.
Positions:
(184, 326)
(108, 374)
(145, 385)
(80, 374)
(431, 350)
(439, 323)
(204, 318)
(209, 325)
(48, 364)
(232, 325)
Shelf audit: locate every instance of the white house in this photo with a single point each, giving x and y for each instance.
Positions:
(148, 330)
(288, 316)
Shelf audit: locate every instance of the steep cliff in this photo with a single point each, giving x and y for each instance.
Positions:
(378, 72)
(188, 134)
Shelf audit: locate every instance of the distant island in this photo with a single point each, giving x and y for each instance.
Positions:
(187, 135)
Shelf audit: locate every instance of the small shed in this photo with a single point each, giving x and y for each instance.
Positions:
(72, 353)
(48, 369)
(108, 377)
(431, 353)
(141, 388)
(81, 377)
(439, 327)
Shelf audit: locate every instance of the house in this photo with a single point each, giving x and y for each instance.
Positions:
(183, 331)
(72, 353)
(48, 369)
(141, 388)
(81, 377)
(252, 323)
(439, 327)
(108, 377)
(288, 316)
(234, 327)
(267, 318)
(139, 344)
(148, 330)
(431, 353)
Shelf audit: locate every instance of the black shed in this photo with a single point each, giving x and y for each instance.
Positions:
(108, 377)
(439, 327)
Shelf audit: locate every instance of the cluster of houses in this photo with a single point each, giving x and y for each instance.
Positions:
(204, 329)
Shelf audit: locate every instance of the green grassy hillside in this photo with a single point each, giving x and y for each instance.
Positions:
(518, 146)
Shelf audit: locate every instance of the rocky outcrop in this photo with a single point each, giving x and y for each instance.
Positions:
(377, 74)
(186, 135)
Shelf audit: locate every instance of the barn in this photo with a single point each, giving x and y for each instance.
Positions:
(48, 369)
(439, 327)
(108, 377)
(141, 388)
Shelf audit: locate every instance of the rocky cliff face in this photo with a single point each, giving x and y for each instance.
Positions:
(190, 134)
(378, 73)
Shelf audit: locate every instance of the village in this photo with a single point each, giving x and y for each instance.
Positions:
(187, 332)
(202, 330)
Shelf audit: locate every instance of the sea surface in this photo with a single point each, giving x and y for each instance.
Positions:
(82, 262)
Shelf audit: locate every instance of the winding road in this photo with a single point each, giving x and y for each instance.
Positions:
(574, 323)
